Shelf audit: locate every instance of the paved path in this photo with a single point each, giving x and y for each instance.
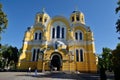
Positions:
(47, 76)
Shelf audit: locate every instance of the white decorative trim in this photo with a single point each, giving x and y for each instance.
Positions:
(79, 54)
(54, 25)
(78, 32)
(85, 51)
(26, 51)
(38, 42)
(79, 24)
(38, 32)
(77, 42)
(32, 50)
(69, 42)
(54, 55)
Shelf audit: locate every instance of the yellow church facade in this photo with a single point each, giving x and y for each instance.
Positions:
(58, 43)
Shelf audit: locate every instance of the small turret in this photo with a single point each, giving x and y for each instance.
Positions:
(77, 16)
(42, 17)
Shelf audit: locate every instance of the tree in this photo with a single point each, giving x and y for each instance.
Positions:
(104, 62)
(14, 55)
(3, 21)
(116, 62)
(10, 55)
(118, 7)
(2, 59)
(105, 59)
(118, 21)
(19, 52)
(107, 55)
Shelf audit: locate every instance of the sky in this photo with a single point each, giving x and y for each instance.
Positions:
(99, 15)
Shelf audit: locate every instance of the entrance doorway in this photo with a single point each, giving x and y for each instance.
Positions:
(55, 62)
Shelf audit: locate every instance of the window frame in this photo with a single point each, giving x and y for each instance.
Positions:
(37, 35)
(58, 33)
(79, 55)
(35, 54)
(73, 19)
(77, 18)
(40, 19)
(53, 33)
(63, 33)
(79, 36)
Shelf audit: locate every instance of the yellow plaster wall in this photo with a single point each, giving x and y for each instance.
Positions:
(89, 58)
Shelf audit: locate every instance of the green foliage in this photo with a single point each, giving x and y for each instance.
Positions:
(9, 54)
(118, 21)
(118, 26)
(105, 59)
(116, 62)
(3, 20)
(118, 7)
(116, 56)
(19, 52)
(104, 62)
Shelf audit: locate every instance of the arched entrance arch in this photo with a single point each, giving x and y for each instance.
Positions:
(56, 61)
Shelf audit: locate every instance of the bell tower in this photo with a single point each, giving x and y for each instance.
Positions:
(42, 17)
(77, 16)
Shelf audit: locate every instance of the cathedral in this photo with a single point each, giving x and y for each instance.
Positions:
(60, 44)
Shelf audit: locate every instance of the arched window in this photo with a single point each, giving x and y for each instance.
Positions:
(78, 35)
(77, 17)
(53, 33)
(33, 55)
(40, 19)
(58, 31)
(45, 19)
(72, 18)
(63, 33)
(38, 51)
(38, 35)
(77, 55)
(81, 55)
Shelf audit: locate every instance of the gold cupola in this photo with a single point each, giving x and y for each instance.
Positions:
(77, 17)
(42, 17)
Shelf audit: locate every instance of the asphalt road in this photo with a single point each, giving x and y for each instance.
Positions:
(49, 76)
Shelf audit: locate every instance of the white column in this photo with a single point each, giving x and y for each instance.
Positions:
(55, 32)
(60, 32)
(35, 54)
